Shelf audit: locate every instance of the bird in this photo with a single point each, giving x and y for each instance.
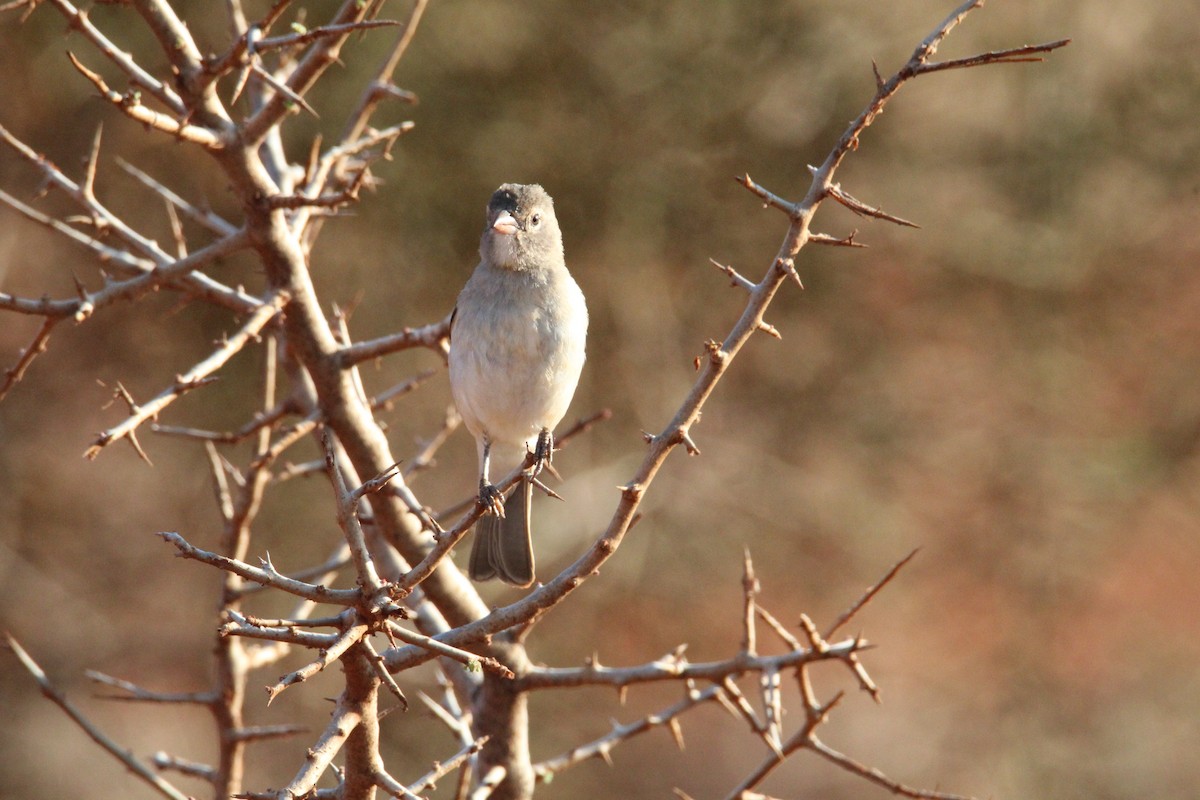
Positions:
(517, 347)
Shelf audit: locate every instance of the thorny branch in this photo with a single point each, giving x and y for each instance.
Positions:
(396, 548)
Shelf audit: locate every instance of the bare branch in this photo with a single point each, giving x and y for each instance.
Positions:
(328, 655)
(861, 208)
(735, 278)
(435, 337)
(203, 217)
(309, 36)
(436, 647)
(316, 60)
(347, 515)
(750, 590)
(38, 346)
(78, 20)
(380, 87)
(99, 737)
(131, 105)
(770, 200)
(183, 270)
(600, 748)
(875, 776)
(425, 456)
(103, 219)
(258, 733)
(1026, 54)
(165, 761)
(267, 576)
(196, 376)
(778, 755)
(870, 593)
(845, 241)
(675, 667)
(346, 716)
(135, 692)
(428, 780)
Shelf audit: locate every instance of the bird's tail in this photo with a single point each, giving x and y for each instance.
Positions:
(503, 547)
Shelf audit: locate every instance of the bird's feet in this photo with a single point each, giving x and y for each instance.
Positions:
(543, 452)
(491, 498)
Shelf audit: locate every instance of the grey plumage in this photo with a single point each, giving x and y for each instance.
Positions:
(516, 350)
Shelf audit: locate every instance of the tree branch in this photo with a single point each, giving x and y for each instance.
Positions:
(98, 736)
(193, 378)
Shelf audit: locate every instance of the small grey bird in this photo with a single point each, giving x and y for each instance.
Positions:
(516, 350)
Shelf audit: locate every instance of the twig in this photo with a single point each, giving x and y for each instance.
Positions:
(204, 217)
(346, 717)
(471, 660)
(871, 591)
(328, 655)
(434, 337)
(425, 456)
(861, 208)
(258, 733)
(578, 428)
(325, 570)
(165, 761)
(99, 737)
(38, 346)
(444, 768)
(140, 78)
(674, 668)
(260, 421)
(875, 776)
(602, 747)
(135, 692)
(194, 377)
(309, 36)
(777, 756)
(845, 241)
(131, 106)
(750, 590)
(319, 57)
(267, 576)
(1026, 54)
(735, 277)
(347, 515)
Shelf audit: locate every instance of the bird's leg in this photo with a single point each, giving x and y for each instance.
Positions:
(543, 452)
(491, 498)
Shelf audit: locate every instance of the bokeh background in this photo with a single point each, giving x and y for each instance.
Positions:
(1014, 388)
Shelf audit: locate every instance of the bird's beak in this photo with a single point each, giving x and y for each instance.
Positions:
(505, 224)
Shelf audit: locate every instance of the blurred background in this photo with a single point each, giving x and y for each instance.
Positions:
(1014, 388)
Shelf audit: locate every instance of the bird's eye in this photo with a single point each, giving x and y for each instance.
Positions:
(535, 220)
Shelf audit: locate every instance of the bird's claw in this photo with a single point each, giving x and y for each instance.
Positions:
(491, 498)
(543, 452)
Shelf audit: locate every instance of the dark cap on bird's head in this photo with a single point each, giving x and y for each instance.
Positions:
(522, 232)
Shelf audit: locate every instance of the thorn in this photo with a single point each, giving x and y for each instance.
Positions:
(137, 447)
(676, 732)
(735, 278)
(878, 77)
(789, 266)
(549, 492)
(846, 241)
(770, 330)
(859, 207)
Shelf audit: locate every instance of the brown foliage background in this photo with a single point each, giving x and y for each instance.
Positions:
(1015, 388)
